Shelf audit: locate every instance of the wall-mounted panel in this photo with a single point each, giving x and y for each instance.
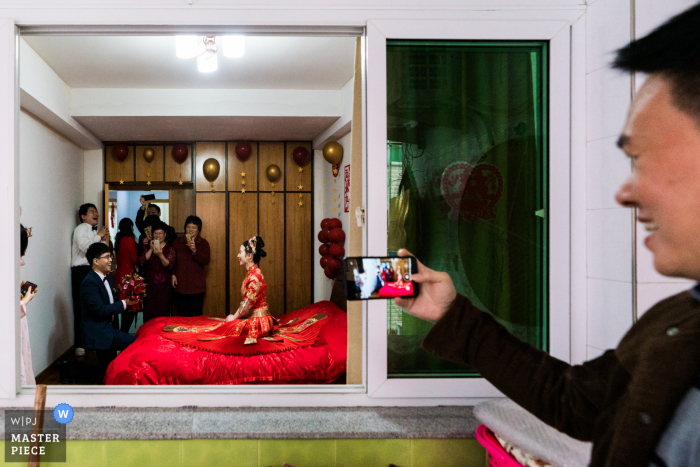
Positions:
(152, 171)
(175, 172)
(298, 180)
(298, 252)
(204, 151)
(271, 213)
(211, 208)
(236, 180)
(243, 224)
(116, 171)
(181, 206)
(271, 153)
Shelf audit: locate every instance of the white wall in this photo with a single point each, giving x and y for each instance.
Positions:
(51, 190)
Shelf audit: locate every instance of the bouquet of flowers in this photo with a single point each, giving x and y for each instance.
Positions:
(133, 287)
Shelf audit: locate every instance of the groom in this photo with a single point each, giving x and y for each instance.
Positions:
(99, 308)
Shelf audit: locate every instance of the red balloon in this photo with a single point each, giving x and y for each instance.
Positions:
(243, 150)
(324, 260)
(323, 236)
(301, 156)
(120, 152)
(334, 265)
(324, 249)
(337, 251)
(335, 223)
(179, 153)
(329, 274)
(336, 235)
(324, 222)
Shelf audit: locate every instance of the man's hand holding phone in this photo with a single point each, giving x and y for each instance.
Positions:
(437, 293)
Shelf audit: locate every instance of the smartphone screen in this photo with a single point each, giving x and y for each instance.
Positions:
(368, 278)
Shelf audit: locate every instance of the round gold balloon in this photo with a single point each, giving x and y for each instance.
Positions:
(148, 155)
(211, 169)
(333, 152)
(273, 173)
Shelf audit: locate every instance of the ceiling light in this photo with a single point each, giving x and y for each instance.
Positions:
(189, 46)
(207, 63)
(234, 46)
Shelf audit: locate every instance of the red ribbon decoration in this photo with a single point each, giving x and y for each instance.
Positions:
(112, 215)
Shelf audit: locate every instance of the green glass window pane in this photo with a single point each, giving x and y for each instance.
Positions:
(467, 184)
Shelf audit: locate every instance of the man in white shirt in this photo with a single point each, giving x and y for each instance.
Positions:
(84, 235)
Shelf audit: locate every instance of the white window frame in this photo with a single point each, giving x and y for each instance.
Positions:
(558, 33)
(526, 21)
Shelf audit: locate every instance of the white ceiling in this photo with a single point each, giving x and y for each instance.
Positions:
(147, 62)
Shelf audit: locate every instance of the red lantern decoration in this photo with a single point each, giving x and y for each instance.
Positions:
(120, 152)
(324, 222)
(324, 260)
(337, 251)
(336, 235)
(243, 150)
(179, 153)
(301, 156)
(334, 265)
(329, 274)
(323, 236)
(335, 223)
(324, 249)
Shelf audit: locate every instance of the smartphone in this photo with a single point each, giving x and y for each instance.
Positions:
(367, 278)
(156, 243)
(25, 287)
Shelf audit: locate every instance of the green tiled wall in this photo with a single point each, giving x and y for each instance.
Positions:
(264, 453)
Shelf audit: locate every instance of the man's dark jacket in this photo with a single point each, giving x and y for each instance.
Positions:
(622, 401)
(97, 311)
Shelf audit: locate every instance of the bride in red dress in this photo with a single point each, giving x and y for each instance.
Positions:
(253, 317)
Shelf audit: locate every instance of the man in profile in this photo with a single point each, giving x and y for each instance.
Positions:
(640, 403)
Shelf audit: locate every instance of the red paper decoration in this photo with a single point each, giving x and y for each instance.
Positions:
(335, 223)
(324, 249)
(301, 156)
(324, 222)
(179, 153)
(243, 150)
(120, 152)
(336, 235)
(337, 251)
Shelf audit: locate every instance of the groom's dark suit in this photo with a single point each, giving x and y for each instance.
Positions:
(98, 333)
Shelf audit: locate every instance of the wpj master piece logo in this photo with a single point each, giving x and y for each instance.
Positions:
(27, 434)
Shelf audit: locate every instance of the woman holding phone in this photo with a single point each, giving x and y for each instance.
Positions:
(127, 259)
(160, 260)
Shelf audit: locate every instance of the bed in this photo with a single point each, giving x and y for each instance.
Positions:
(154, 359)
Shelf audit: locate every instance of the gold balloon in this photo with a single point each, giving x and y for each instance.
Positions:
(273, 173)
(211, 169)
(149, 154)
(333, 152)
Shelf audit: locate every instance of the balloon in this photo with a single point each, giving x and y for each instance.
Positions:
(333, 152)
(243, 150)
(335, 223)
(327, 235)
(324, 260)
(148, 155)
(179, 153)
(301, 156)
(324, 222)
(211, 169)
(334, 265)
(336, 235)
(337, 251)
(324, 249)
(329, 274)
(273, 173)
(120, 152)
(323, 236)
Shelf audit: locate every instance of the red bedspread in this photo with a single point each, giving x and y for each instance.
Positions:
(392, 289)
(152, 359)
